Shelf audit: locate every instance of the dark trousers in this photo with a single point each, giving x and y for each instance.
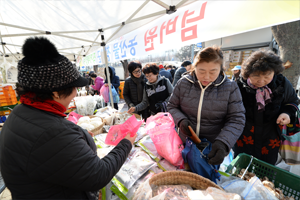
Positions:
(115, 105)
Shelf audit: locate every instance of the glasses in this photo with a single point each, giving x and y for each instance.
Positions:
(137, 72)
(149, 75)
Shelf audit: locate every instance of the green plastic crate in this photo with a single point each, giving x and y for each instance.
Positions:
(289, 183)
(3, 108)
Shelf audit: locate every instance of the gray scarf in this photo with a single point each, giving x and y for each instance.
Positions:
(138, 82)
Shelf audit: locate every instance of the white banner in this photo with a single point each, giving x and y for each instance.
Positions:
(200, 21)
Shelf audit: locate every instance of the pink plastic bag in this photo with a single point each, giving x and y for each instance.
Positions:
(104, 91)
(161, 129)
(74, 117)
(118, 132)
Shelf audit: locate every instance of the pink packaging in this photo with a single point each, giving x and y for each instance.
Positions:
(104, 91)
(74, 117)
(161, 129)
(117, 132)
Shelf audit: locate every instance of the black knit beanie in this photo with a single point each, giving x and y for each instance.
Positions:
(43, 69)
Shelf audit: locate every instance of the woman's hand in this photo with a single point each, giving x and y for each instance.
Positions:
(283, 119)
(131, 110)
(131, 139)
(106, 85)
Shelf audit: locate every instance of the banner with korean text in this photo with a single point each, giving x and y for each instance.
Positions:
(198, 22)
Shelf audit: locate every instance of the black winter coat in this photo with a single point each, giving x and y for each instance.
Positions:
(44, 156)
(261, 135)
(130, 92)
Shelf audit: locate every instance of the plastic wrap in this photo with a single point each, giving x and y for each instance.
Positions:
(172, 191)
(166, 165)
(81, 106)
(91, 104)
(131, 172)
(147, 145)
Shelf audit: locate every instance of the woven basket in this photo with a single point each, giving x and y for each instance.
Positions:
(97, 130)
(181, 177)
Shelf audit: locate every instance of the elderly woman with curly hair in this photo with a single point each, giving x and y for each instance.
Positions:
(267, 96)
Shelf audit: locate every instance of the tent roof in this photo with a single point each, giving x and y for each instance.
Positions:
(22, 19)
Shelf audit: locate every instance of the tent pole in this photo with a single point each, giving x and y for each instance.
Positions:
(92, 44)
(79, 54)
(138, 10)
(114, 33)
(11, 53)
(107, 70)
(2, 45)
(166, 6)
(13, 45)
(77, 47)
(180, 4)
(148, 16)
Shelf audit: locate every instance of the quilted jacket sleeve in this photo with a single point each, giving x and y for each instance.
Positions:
(126, 93)
(235, 119)
(69, 161)
(290, 97)
(174, 104)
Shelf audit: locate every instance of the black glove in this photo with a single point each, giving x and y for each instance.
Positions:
(184, 127)
(159, 105)
(218, 152)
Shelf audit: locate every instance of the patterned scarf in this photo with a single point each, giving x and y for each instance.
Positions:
(46, 105)
(263, 95)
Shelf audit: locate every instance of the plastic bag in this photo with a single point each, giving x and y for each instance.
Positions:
(100, 140)
(161, 129)
(105, 112)
(91, 104)
(248, 190)
(140, 134)
(143, 192)
(172, 191)
(147, 145)
(131, 172)
(74, 117)
(212, 193)
(104, 91)
(81, 106)
(166, 166)
(118, 132)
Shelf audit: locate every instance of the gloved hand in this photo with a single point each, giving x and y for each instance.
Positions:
(218, 152)
(159, 105)
(183, 126)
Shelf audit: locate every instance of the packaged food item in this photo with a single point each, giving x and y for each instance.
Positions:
(156, 170)
(97, 119)
(131, 172)
(140, 133)
(172, 191)
(166, 165)
(83, 120)
(212, 193)
(87, 126)
(117, 132)
(100, 140)
(143, 192)
(147, 145)
(161, 129)
(91, 104)
(81, 106)
(102, 152)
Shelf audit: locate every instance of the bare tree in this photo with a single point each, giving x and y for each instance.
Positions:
(288, 38)
(125, 67)
(184, 53)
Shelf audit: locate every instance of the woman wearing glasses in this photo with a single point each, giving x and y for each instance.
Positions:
(157, 92)
(134, 87)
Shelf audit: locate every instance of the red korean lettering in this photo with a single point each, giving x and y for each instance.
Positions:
(169, 30)
(150, 38)
(193, 28)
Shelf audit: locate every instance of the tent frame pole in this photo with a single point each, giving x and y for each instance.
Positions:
(107, 70)
(92, 44)
(166, 6)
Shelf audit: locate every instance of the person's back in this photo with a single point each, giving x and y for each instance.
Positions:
(165, 73)
(185, 66)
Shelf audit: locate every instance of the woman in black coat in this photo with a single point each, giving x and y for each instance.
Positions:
(134, 87)
(266, 94)
(42, 154)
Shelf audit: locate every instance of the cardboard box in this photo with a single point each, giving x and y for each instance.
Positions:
(226, 64)
(237, 53)
(247, 52)
(230, 52)
(227, 57)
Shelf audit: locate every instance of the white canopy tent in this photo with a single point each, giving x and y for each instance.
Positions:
(78, 28)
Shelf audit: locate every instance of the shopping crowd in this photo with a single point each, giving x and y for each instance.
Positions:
(48, 157)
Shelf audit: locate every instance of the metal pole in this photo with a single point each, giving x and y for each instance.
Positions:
(107, 71)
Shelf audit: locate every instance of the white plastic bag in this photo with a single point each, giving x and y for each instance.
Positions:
(91, 103)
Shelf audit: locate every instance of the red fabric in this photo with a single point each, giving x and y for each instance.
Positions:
(46, 105)
(161, 66)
